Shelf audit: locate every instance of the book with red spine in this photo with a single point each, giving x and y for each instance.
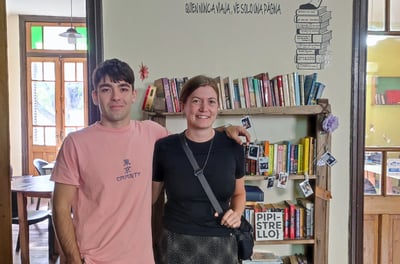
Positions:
(175, 95)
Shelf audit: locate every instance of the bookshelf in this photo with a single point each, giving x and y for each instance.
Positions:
(315, 248)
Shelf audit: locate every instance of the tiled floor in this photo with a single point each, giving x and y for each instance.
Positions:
(38, 241)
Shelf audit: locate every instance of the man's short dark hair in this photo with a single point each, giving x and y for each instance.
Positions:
(116, 70)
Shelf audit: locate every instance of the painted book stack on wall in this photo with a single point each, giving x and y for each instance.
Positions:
(312, 38)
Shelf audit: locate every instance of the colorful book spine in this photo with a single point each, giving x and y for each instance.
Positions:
(306, 154)
(271, 170)
(175, 95)
(292, 219)
(246, 92)
(266, 154)
(168, 96)
(254, 193)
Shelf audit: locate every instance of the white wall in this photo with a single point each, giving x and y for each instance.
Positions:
(14, 91)
(175, 44)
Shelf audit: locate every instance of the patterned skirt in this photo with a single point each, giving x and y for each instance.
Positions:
(176, 248)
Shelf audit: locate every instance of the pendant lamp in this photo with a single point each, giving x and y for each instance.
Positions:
(71, 34)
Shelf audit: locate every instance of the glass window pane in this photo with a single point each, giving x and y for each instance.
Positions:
(52, 40)
(37, 37)
(376, 15)
(37, 71)
(69, 71)
(393, 173)
(81, 43)
(48, 37)
(394, 15)
(79, 71)
(72, 129)
(74, 104)
(372, 173)
(38, 136)
(50, 136)
(82, 31)
(43, 103)
(69, 130)
(49, 71)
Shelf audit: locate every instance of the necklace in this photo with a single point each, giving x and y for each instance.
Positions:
(208, 154)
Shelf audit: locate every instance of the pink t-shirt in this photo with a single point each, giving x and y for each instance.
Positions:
(112, 170)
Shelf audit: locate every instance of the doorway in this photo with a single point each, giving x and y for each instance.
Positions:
(57, 92)
(382, 151)
(54, 86)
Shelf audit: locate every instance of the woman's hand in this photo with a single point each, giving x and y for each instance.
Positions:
(231, 219)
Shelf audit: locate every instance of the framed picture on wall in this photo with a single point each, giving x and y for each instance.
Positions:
(386, 90)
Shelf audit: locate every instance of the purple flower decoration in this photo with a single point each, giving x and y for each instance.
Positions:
(330, 123)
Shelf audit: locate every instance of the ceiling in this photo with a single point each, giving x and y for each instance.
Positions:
(46, 7)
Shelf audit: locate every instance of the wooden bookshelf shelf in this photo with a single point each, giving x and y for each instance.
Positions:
(263, 178)
(274, 110)
(285, 242)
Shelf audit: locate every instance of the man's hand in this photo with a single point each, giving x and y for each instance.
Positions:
(236, 132)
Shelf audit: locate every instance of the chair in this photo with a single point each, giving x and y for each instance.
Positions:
(39, 163)
(34, 217)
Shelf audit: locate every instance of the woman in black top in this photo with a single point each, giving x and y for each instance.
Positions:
(192, 231)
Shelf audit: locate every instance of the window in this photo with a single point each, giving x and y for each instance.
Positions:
(45, 37)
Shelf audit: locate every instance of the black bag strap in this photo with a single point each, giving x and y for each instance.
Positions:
(200, 175)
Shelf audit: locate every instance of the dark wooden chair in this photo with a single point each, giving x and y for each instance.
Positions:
(34, 217)
(39, 163)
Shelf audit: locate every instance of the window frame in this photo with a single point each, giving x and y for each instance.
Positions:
(28, 42)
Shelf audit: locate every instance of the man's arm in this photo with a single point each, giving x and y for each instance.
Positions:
(235, 132)
(62, 203)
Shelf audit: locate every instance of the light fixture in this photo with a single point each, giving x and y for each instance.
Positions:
(71, 34)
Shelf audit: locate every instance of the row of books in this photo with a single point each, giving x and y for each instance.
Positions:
(292, 89)
(164, 95)
(388, 97)
(266, 158)
(295, 259)
(283, 220)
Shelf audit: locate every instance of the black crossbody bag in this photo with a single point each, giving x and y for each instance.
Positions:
(244, 234)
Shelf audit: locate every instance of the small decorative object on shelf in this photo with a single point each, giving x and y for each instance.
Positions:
(330, 123)
(144, 71)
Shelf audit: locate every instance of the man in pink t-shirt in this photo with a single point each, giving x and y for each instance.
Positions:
(103, 177)
(103, 174)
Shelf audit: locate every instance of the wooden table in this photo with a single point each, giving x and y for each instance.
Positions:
(29, 186)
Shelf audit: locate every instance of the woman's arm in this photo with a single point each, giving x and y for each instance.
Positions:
(232, 217)
(156, 190)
